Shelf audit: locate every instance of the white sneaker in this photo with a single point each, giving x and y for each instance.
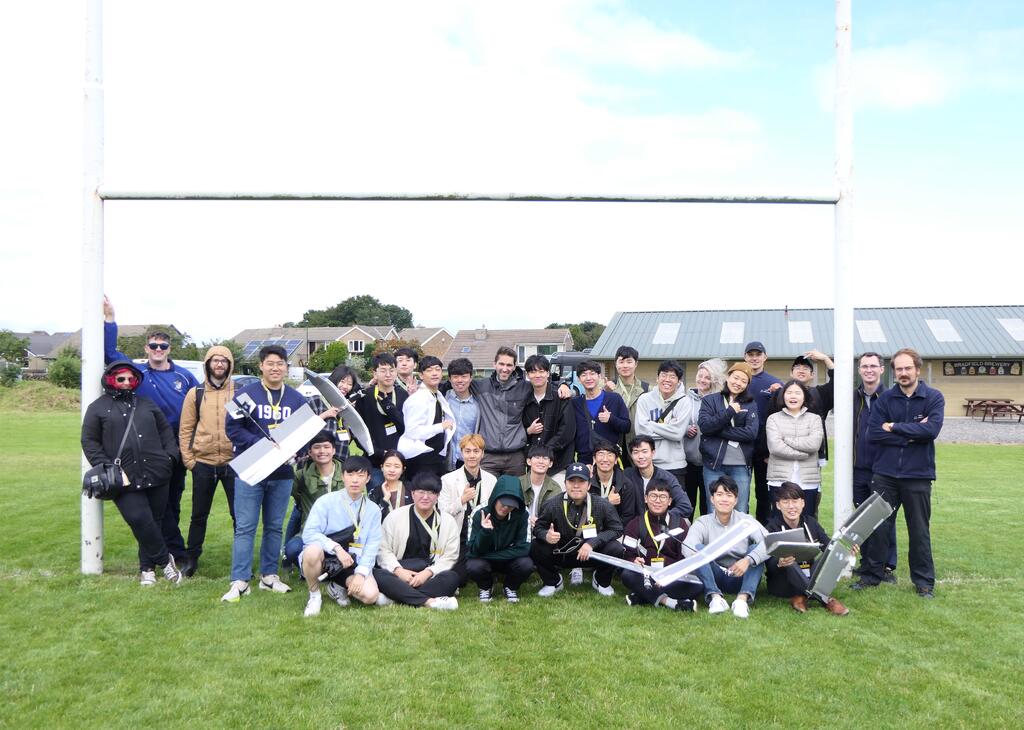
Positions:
(548, 591)
(740, 609)
(313, 605)
(603, 590)
(338, 593)
(238, 589)
(171, 571)
(383, 600)
(147, 578)
(444, 603)
(718, 605)
(576, 577)
(273, 583)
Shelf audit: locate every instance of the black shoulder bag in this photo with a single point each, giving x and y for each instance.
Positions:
(105, 481)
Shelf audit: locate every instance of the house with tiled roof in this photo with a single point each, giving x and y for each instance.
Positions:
(481, 345)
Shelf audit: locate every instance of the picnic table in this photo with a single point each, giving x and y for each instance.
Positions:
(1010, 409)
(983, 404)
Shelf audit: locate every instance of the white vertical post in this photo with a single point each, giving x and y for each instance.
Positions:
(843, 312)
(92, 264)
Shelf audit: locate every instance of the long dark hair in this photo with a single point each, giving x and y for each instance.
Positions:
(744, 397)
(344, 371)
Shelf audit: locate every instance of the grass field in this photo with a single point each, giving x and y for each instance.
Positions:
(102, 652)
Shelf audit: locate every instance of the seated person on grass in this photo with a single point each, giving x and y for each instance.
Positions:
(648, 542)
(788, 578)
(636, 478)
(740, 568)
(332, 515)
(321, 474)
(418, 551)
(570, 527)
(499, 541)
(538, 487)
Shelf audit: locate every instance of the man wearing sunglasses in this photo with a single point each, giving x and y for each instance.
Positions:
(166, 385)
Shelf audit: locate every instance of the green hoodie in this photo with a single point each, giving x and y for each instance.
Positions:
(510, 537)
(308, 487)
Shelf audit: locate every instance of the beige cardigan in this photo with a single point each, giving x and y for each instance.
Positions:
(396, 535)
(452, 485)
(794, 439)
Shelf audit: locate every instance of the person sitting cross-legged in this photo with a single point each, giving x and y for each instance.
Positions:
(418, 551)
(655, 539)
(572, 526)
(739, 569)
(499, 541)
(786, 577)
(331, 516)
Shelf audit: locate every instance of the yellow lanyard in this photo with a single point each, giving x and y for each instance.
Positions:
(376, 398)
(584, 518)
(435, 533)
(275, 409)
(647, 521)
(355, 517)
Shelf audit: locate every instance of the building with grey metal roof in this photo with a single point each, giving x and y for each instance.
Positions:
(969, 352)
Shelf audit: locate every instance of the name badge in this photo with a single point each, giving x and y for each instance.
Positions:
(344, 436)
(734, 444)
(390, 429)
(356, 549)
(589, 531)
(657, 564)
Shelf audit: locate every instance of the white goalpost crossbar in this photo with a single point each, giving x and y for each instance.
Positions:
(94, 195)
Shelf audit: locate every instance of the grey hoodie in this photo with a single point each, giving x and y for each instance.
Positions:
(669, 434)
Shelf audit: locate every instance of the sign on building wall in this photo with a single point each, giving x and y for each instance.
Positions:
(981, 367)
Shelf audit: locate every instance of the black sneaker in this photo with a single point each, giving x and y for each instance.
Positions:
(862, 584)
(188, 566)
(924, 592)
(485, 595)
(632, 599)
(511, 596)
(686, 604)
(888, 576)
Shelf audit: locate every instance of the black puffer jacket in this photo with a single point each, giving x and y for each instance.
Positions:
(149, 451)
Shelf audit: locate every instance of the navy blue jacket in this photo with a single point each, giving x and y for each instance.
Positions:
(243, 433)
(759, 388)
(720, 424)
(863, 449)
(908, 452)
(166, 388)
(618, 425)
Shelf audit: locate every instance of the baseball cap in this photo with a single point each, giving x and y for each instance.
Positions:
(755, 345)
(577, 471)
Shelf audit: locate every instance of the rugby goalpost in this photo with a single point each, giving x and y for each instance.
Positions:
(94, 195)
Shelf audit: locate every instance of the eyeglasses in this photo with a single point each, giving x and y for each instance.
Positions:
(424, 492)
(219, 360)
(870, 367)
(124, 379)
(159, 346)
(655, 497)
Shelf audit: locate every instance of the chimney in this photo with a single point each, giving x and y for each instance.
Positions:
(481, 334)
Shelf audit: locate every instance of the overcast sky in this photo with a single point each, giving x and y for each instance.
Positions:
(552, 97)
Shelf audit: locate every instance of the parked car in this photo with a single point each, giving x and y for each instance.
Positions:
(193, 366)
(563, 368)
(244, 381)
(307, 388)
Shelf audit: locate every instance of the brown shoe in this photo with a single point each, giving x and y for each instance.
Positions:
(799, 603)
(836, 608)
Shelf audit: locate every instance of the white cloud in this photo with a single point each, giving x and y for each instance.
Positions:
(923, 73)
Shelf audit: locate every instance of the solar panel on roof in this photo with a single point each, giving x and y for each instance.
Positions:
(943, 330)
(1014, 326)
(800, 331)
(666, 333)
(870, 330)
(732, 332)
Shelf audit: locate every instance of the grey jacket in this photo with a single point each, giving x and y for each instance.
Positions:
(707, 529)
(669, 432)
(794, 439)
(501, 411)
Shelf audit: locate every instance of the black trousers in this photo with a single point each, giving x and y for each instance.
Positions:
(786, 582)
(861, 491)
(549, 564)
(915, 496)
(764, 502)
(172, 511)
(440, 584)
(143, 510)
(204, 485)
(429, 461)
(515, 570)
(694, 487)
(634, 583)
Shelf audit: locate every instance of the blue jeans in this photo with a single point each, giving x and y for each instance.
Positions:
(741, 475)
(716, 580)
(270, 496)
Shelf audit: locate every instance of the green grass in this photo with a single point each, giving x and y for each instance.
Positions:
(101, 651)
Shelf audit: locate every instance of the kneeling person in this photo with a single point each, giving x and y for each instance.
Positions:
(786, 577)
(418, 551)
(499, 541)
(569, 528)
(655, 539)
(348, 516)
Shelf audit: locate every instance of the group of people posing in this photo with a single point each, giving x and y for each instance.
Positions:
(476, 479)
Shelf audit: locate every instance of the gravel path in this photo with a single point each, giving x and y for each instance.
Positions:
(972, 431)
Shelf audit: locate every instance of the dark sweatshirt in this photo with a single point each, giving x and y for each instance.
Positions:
(602, 513)
(508, 538)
